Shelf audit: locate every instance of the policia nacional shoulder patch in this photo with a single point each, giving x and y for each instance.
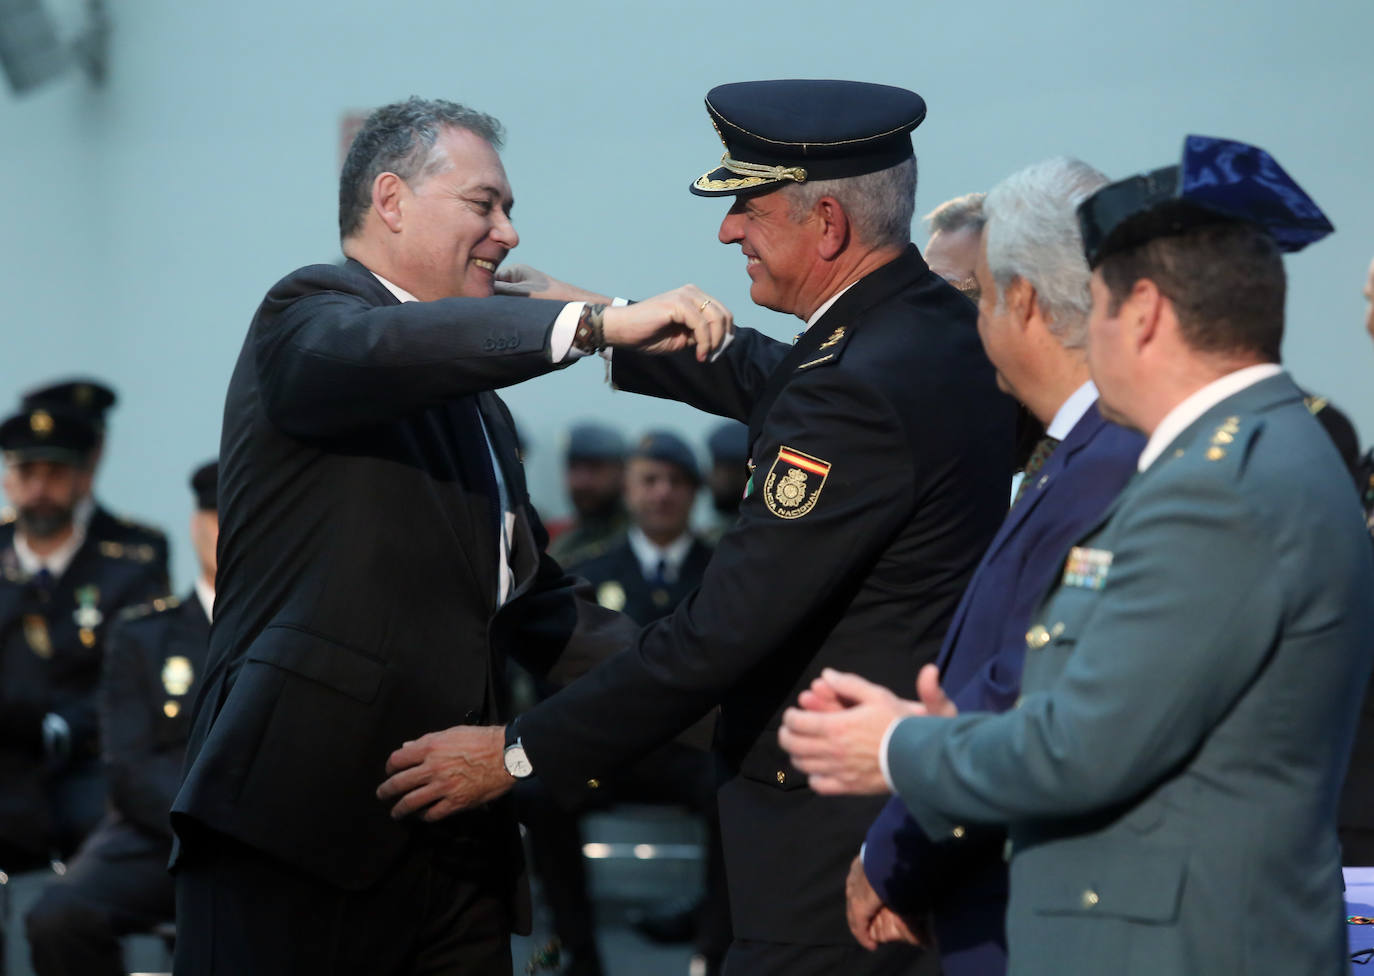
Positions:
(794, 483)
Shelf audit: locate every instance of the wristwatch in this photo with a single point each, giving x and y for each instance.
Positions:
(516, 762)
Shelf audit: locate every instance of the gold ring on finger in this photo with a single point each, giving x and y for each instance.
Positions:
(704, 304)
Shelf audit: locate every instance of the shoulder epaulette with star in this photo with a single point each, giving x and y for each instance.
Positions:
(151, 609)
(138, 552)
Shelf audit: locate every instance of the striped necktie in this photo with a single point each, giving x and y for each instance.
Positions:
(1041, 453)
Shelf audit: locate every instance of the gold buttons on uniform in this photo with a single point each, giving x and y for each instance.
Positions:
(1090, 898)
(171, 709)
(1037, 637)
(1215, 454)
(958, 833)
(782, 777)
(593, 784)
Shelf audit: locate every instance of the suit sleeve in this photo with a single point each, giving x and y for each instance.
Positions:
(329, 361)
(143, 778)
(1186, 619)
(727, 387)
(772, 580)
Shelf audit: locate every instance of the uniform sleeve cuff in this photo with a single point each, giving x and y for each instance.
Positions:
(882, 754)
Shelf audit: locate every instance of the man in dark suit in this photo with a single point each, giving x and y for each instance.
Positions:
(1033, 320)
(94, 400)
(118, 881)
(1170, 776)
(882, 451)
(378, 560)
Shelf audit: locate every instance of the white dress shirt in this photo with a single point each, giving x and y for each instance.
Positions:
(650, 554)
(55, 562)
(206, 594)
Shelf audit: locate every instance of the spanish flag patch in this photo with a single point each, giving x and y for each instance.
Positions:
(794, 483)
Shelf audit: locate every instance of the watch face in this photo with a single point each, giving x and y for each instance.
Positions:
(517, 763)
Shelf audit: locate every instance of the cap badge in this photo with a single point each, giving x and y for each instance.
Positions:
(40, 422)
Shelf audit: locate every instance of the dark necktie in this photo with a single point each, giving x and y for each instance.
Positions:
(660, 574)
(1041, 453)
(43, 583)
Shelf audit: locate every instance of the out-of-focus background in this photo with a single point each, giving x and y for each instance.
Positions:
(145, 216)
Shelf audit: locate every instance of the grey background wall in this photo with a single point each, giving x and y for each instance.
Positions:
(143, 220)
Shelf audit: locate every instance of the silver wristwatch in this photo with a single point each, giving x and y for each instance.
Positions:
(517, 763)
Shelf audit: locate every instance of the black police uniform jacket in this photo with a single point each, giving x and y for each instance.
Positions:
(144, 542)
(51, 652)
(620, 584)
(356, 603)
(153, 666)
(882, 451)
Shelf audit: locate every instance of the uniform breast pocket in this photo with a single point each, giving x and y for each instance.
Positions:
(1140, 884)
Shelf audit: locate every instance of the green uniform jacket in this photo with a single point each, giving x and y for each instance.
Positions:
(1171, 775)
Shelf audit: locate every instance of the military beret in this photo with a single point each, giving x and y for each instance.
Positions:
(48, 434)
(802, 129)
(595, 442)
(1216, 181)
(205, 486)
(82, 395)
(729, 442)
(662, 445)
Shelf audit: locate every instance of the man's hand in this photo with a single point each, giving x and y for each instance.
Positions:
(870, 921)
(521, 279)
(686, 316)
(835, 739)
(444, 772)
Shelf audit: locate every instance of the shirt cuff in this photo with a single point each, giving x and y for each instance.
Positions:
(564, 328)
(882, 754)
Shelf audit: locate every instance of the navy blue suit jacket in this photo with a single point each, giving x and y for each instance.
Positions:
(962, 880)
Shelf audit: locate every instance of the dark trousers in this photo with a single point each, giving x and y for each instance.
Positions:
(240, 912)
(748, 957)
(75, 925)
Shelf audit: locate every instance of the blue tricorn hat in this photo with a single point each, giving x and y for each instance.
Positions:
(797, 130)
(1217, 181)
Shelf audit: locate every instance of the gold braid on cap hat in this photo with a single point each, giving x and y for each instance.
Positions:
(759, 171)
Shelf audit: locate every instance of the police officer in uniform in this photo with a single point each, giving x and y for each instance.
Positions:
(881, 454)
(118, 882)
(594, 470)
(93, 399)
(646, 572)
(728, 444)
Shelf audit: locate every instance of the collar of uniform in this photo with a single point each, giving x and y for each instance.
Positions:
(1071, 411)
(648, 554)
(84, 511)
(55, 562)
(825, 306)
(1179, 419)
(401, 294)
(206, 594)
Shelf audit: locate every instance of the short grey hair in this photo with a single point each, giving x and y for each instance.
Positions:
(1032, 233)
(879, 205)
(402, 138)
(965, 212)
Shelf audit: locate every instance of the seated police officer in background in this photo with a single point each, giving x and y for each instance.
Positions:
(94, 400)
(1171, 773)
(594, 475)
(118, 882)
(646, 571)
(59, 589)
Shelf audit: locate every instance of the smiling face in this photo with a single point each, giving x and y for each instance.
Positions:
(779, 252)
(455, 224)
(952, 254)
